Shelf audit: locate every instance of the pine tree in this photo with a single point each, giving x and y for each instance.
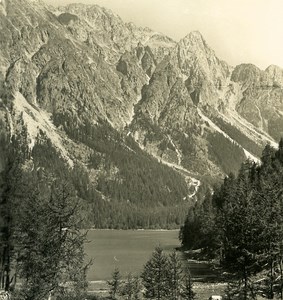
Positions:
(12, 188)
(131, 288)
(41, 243)
(155, 276)
(49, 246)
(115, 283)
(187, 292)
(175, 276)
(240, 230)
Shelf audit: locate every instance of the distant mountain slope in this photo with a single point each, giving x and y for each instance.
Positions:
(140, 124)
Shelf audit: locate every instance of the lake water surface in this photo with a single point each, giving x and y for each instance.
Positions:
(128, 250)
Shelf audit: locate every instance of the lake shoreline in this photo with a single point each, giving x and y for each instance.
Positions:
(203, 289)
(134, 229)
(129, 250)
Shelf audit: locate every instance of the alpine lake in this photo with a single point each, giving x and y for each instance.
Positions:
(129, 250)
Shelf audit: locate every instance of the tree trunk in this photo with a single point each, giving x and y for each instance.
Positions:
(245, 284)
(272, 280)
(281, 277)
(7, 270)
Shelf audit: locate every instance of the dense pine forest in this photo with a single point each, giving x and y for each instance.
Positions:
(41, 241)
(241, 224)
(106, 124)
(126, 188)
(134, 190)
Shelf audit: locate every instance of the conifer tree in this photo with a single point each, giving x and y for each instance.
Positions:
(115, 283)
(240, 230)
(12, 187)
(187, 292)
(155, 276)
(49, 245)
(42, 244)
(131, 288)
(175, 276)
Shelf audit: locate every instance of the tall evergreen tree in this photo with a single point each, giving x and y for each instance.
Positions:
(155, 276)
(115, 283)
(12, 187)
(175, 276)
(41, 243)
(131, 288)
(239, 231)
(187, 292)
(49, 246)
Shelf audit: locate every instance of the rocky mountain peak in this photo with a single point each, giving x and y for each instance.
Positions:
(251, 74)
(3, 7)
(276, 73)
(201, 69)
(193, 38)
(89, 9)
(246, 72)
(96, 80)
(193, 49)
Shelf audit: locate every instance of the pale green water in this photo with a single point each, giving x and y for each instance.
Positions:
(128, 250)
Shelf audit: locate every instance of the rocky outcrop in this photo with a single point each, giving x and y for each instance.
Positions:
(83, 69)
(97, 25)
(262, 97)
(203, 72)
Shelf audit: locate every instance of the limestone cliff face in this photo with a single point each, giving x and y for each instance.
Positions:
(99, 26)
(275, 73)
(262, 98)
(67, 71)
(203, 72)
(166, 121)
(42, 60)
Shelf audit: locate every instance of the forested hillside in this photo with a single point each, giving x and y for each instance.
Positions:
(242, 225)
(128, 188)
(139, 125)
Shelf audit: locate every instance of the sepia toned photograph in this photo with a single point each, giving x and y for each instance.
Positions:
(141, 149)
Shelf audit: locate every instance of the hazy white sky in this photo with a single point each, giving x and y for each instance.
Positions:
(239, 31)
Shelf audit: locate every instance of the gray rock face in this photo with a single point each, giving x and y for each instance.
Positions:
(205, 74)
(262, 101)
(83, 65)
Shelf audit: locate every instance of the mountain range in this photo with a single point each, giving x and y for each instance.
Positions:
(141, 125)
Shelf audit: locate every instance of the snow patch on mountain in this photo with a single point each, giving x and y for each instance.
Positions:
(261, 118)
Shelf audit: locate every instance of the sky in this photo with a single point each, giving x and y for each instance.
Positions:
(239, 31)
